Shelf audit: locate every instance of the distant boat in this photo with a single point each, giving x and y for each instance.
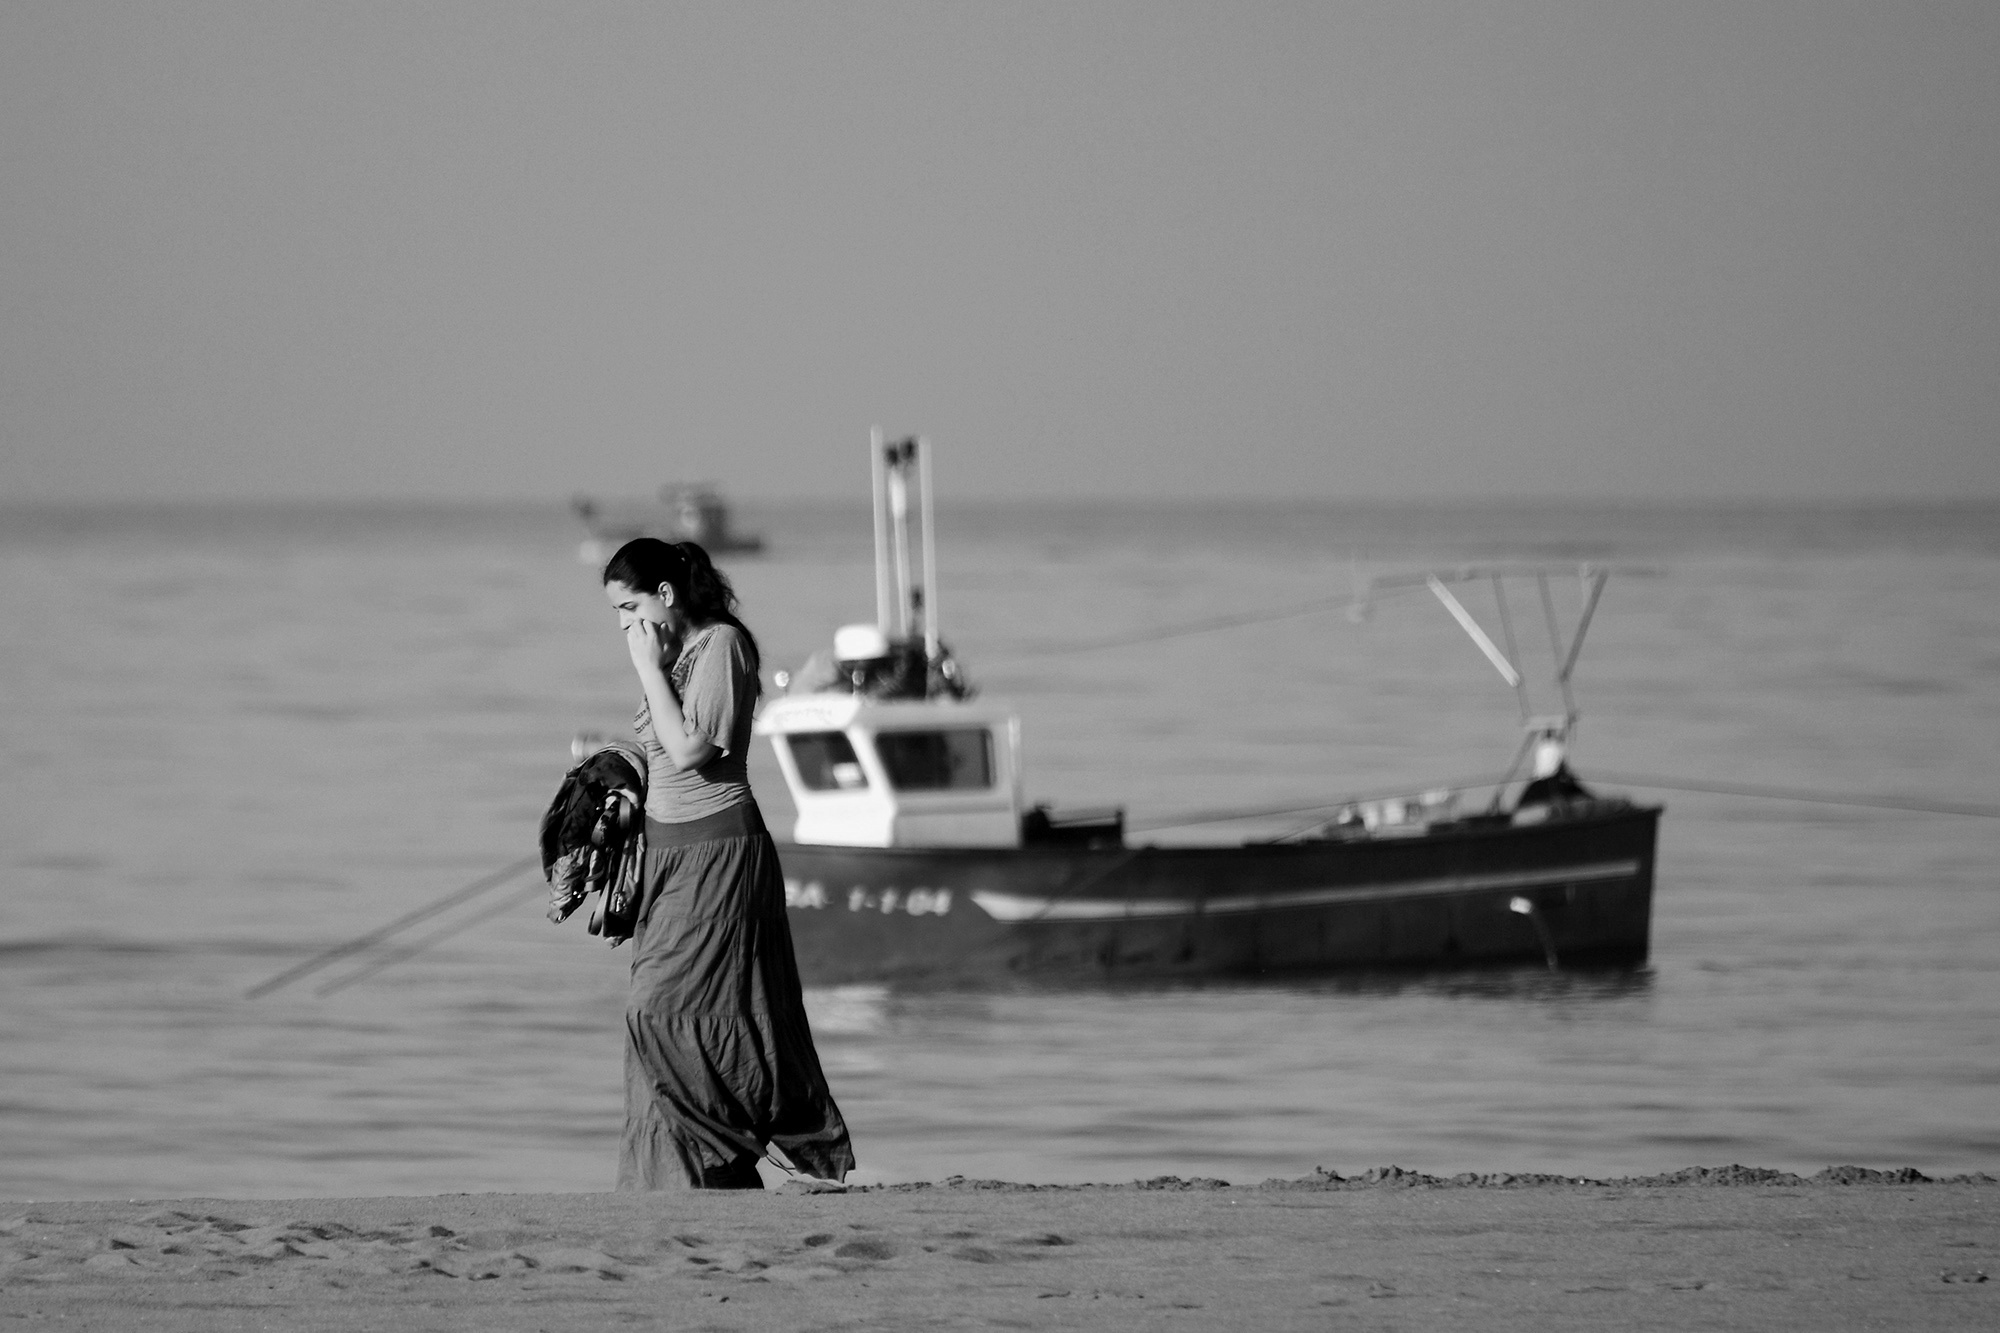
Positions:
(686, 512)
(915, 854)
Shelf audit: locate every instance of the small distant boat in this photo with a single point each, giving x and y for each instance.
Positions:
(686, 512)
(916, 856)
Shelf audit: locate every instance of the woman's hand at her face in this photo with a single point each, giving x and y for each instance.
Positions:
(647, 641)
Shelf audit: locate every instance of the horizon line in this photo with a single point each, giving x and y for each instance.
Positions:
(29, 504)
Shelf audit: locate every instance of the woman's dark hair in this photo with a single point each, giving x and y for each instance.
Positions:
(700, 589)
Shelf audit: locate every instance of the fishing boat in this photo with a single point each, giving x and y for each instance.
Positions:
(685, 512)
(916, 855)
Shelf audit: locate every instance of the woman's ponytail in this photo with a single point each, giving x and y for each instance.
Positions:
(710, 597)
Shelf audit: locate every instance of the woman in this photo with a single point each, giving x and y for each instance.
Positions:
(719, 1060)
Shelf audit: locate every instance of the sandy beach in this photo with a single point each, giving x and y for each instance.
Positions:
(1733, 1247)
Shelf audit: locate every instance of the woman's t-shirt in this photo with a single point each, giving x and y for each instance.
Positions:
(718, 690)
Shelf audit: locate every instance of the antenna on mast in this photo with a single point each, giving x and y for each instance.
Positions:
(885, 595)
(899, 595)
(906, 573)
(932, 649)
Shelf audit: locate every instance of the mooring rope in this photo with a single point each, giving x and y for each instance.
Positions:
(1192, 818)
(374, 937)
(1864, 800)
(1316, 607)
(409, 951)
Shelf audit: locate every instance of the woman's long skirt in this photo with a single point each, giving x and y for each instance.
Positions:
(719, 1060)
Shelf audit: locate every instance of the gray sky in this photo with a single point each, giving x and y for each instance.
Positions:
(1152, 249)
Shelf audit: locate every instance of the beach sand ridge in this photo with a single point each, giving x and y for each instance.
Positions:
(1730, 1247)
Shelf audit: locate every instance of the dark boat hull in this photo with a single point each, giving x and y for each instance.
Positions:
(966, 915)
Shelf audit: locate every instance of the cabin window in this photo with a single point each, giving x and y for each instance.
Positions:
(957, 760)
(826, 761)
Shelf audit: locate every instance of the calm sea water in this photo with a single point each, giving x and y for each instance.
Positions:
(230, 737)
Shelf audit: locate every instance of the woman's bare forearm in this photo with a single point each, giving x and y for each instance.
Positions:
(670, 727)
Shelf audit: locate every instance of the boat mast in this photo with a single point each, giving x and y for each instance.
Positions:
(903, 603)
(923, 459)
(899, 456)
(885, 594)
(906, 575)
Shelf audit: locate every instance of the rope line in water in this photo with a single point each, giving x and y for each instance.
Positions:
(1863, 800)
(1192, 818)
(409, 951)
(1317, 607)
(376, 936)
(1356, 601)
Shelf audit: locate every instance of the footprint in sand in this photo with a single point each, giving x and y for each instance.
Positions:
(869, 1251)
(975, 1254)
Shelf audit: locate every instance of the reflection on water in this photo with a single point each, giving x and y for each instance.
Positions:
(1493, 983)
(850, 1011)
(1537, 983)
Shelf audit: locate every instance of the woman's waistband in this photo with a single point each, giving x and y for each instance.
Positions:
(742, 820)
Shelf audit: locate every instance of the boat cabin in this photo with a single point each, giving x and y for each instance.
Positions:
(867, 772)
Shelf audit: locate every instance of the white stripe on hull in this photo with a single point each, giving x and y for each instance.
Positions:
(1020, 907)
